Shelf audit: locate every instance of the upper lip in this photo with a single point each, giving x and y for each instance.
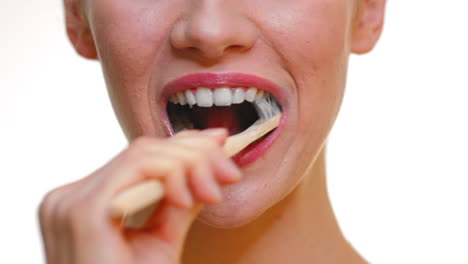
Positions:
(216, 80)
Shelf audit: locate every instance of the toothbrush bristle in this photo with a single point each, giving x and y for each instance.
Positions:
(267, 108)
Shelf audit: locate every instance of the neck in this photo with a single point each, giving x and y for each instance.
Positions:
(302, 228)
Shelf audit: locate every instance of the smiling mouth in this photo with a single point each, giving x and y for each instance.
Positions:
(235, 101)
(233, 108)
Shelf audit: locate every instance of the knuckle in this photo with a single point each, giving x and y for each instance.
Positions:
(140, 146)
(143, 142)
(178, 165)
(178, 172)
(48, 203)
(173, 166)
(197, 157)
(61, 212)
(206, 144)
(189, 152)
(211, 145)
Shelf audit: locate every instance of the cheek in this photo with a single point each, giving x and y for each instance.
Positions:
(129, 35)
(313, 40)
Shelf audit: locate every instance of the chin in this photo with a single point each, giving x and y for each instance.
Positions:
(224, 216)
(242, 203)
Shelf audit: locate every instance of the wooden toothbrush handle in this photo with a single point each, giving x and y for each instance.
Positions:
(136, 203)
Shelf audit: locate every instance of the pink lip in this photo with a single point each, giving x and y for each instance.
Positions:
(215, 80)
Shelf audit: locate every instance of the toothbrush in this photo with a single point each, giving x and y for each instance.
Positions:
(136, 204)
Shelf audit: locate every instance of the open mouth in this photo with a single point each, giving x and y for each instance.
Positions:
(235, 101)
(233, 108)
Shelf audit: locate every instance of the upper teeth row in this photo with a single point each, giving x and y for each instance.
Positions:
(225, 96)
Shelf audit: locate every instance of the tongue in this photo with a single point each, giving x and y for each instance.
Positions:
(220, 116)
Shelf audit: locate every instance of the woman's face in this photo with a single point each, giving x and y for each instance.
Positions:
(301, 46)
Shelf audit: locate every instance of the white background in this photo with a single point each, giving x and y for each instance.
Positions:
(398, 170)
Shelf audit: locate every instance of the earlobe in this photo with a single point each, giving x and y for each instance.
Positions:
(368, 25)
(78, 30)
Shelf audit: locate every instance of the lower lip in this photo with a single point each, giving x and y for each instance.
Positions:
(254, 151)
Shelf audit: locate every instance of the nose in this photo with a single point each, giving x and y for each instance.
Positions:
(211, 29)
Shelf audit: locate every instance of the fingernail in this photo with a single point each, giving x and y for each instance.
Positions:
(214, 131)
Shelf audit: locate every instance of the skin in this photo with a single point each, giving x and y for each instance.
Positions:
(279, 211)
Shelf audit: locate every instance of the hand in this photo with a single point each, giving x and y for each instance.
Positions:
(75, 221)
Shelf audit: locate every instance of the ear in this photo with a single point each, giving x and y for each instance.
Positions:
(78, 30)
(368, 24)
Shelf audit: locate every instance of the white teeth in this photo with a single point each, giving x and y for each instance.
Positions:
(260, 95)
(190, 97)
(250, 94)
(222, 97)
(204, 97)
(238, 96)
(181, 98)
